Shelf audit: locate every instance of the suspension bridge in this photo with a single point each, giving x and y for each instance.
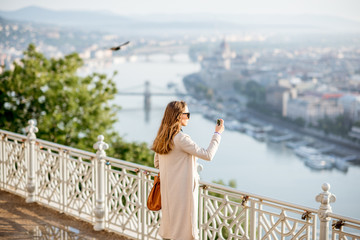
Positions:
(147, 92)
(170, 50)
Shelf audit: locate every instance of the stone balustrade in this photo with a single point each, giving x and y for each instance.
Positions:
(111, 194)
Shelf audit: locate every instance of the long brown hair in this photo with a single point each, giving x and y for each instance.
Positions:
(170, 126)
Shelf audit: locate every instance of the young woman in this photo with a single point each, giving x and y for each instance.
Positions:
(175, 156)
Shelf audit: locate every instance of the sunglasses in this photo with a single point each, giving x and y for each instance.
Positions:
(187, 114)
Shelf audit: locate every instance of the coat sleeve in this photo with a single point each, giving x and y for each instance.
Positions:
(156, 160)
(189, 146)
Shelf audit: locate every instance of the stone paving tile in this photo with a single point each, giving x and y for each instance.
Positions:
(21, 220)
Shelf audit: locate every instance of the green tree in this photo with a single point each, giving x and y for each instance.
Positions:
(232, 183)
(69, 109)
(356, 124)
(239, 87)
(338, 125)
(255, 92)
(300, 121)
(197, 87)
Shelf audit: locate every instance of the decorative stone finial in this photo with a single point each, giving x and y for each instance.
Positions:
(101, 146)
(31, 130)
(325, 187)
(325, 198)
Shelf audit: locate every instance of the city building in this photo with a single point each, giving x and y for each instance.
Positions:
(220, 59)
(277, 98)
(313, 108)
(351, 106)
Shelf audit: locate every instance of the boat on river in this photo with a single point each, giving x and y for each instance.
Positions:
(320, 162)
(257, 134)
(297, 142)
(307, 152)
(322, 147)
(234, 125)
(341, 165)
(316, 159)
(342, 159)
(279, 136)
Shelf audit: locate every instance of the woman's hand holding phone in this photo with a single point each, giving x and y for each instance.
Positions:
(219, 126)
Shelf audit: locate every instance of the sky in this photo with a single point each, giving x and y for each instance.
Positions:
(349, 9)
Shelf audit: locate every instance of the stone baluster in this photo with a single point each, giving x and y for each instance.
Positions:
(325, 198)
(100, 208)
(31, 161)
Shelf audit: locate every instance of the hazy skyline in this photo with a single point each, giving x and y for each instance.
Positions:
(342, 8)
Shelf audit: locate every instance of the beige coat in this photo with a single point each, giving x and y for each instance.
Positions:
(179, 186)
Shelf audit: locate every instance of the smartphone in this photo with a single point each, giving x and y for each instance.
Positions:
(218, 122)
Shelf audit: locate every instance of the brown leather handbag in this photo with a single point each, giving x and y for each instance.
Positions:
(154, 199)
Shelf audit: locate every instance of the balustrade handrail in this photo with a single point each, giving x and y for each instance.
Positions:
(229, 189)
(45, 142)
(13, 134)
(84, 152)
(113, 196)
(155, 170)
(344, 218)
(133, 165)
(67, 148)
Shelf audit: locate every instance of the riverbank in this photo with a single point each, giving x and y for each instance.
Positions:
(348, 147)
(230, 107)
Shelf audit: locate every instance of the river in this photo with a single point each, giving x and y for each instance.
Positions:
(263, 168)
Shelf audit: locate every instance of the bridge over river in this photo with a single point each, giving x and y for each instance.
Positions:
(170, 50)
(148, 90)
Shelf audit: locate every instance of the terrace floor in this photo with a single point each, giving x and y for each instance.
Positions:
(21, 220)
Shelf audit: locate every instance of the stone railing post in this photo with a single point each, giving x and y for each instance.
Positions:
(100, 208)
(325, 198)
(31, 161)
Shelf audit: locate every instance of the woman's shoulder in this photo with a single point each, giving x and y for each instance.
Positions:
(181, 136)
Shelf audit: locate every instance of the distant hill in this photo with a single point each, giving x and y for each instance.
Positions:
(108, 21)
(63, 18)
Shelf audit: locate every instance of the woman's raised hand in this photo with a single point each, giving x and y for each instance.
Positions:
(220, 128)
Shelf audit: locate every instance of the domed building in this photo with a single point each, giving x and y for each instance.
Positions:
(220, 60)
